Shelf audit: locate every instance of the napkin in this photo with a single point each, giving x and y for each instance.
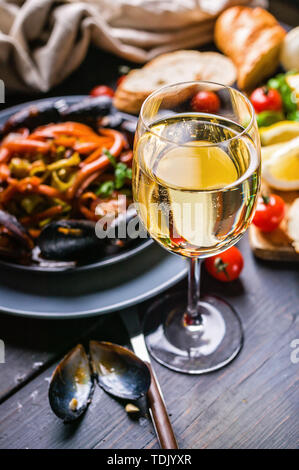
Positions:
(43, 41)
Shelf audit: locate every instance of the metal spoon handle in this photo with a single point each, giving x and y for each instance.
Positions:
(159, 414)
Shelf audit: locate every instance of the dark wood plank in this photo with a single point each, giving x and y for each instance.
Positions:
(249, 404)
(32, 345)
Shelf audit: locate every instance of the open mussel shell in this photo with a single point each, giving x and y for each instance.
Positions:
(68, 240)
(119, 371)
(71, 387)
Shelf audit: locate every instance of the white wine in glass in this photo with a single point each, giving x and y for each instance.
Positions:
(195, 182)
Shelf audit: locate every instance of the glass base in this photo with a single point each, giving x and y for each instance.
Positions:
(193, 349)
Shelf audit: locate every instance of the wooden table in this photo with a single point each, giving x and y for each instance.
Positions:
(252, 403)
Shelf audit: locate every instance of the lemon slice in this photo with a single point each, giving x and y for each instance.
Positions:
(280, 132)
(268, 150)
(293, 82)
(281, 170)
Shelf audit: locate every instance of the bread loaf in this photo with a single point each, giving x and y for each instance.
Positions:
(252, 38)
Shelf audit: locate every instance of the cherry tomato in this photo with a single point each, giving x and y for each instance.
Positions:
(266, 99)
(102, 90)
(120, 79)
(206, 102)
(226, 266)
(269, 212)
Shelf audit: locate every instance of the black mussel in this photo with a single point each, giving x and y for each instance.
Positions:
(129, 128)
(119, 371)
(68, 240)
(120, 121)
(112, 121)
(88, 110)
(83, 240)
(32, 116)
(129, 124)
(16, 229)
(15, 242)
(71, 387)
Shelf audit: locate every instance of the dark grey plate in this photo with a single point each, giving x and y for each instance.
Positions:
(88, 293)
(130, 251)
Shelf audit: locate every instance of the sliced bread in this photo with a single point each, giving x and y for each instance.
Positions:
(175, 67)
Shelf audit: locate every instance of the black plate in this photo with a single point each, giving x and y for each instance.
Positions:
(108, 260)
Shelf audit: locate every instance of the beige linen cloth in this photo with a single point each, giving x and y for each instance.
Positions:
(43, 41)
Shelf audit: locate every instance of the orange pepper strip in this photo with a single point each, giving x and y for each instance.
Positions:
(66, 128)
(4, 172)
(27, 184)
(99, 151)
(100, 164)
(87, 182)
(24, 146)
(85, 147)
(51, 212)
(92, 157)
(48, 191)
(8, 192)
(4, 155)
(65, 141)
(127, 158)
(89, 214)
(33, 184)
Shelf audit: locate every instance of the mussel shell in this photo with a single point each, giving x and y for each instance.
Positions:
(88, 109)
(119, 371)
(16, 229)
(68, 240)
(32, 116)
(71, 387)
(80, 240)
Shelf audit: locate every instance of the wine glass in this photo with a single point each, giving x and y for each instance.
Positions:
(195, 182)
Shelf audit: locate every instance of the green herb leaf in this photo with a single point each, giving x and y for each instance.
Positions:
(122, 172)
(105, 189)
(110, 157)
(287, 94)
(266, 118)
(120, 175)
(129, 173)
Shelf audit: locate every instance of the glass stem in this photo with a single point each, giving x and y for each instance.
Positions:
(194, 291)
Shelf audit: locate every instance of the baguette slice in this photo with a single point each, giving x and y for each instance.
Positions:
(252, 38)
(171, 68)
